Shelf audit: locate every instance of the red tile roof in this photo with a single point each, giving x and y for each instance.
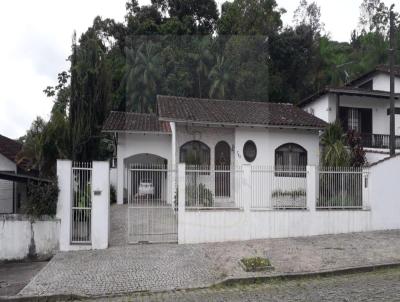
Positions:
(119, 121)
(226, 112)
(378, 69)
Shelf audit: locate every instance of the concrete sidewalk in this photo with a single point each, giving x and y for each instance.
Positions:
(127, 269)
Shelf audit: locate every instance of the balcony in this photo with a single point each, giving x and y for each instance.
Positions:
(380, 141)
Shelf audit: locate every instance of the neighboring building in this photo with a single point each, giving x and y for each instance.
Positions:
(214, 133)
(12, 194)
(361, 105)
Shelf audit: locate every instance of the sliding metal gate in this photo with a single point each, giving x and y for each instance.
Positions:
(81, 203)
(152, 214)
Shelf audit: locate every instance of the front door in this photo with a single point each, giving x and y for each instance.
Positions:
(222, 167)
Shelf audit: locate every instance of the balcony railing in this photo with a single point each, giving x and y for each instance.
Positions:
(381, 141)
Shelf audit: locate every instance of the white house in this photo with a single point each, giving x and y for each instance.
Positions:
(361, 105)
(213, 134)
(11, 194)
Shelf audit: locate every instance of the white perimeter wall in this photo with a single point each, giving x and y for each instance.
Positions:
(383, 198)
(130, 144)
(20, 238)
(375, 156)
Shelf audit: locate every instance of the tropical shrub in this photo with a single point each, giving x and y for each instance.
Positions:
(334, 152)
(41, 198)
(197, 196)
(357, 153)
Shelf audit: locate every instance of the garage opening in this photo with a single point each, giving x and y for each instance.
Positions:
(150, 190)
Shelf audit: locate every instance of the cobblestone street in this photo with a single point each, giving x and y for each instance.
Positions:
(381, 285)
(127, 269)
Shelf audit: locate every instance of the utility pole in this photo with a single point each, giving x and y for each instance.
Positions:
(391, 64)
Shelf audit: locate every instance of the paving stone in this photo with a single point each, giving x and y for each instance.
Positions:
(130, 268)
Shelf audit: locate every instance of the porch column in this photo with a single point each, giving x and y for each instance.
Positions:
(337, 107)
(100, 204)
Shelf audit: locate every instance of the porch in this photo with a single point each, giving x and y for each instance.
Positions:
(378, 141)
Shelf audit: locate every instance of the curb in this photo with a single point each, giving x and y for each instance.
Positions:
(303, 275)
(226, 282)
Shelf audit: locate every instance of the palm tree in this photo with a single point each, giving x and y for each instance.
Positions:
(142, 76)
(202, 57)
(334, 153)
(220, 77)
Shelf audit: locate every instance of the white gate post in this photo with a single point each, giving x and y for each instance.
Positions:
(181, 202)
(100, 204)
(312, 188)
(365, 188)
(64, 175)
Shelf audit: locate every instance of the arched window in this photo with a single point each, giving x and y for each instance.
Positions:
(290, 158)
(195, 153)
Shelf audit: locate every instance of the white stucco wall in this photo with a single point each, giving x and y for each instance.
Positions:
(130, 144)
(382, 82)
(323, 107)
(20, 238)
(6, 164)
(208, 135)
(267, 140)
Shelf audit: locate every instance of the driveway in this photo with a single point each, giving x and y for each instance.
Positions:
(152, 224)
(125, 269)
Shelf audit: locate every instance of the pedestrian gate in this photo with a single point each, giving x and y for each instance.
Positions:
(81, 203)
(152, 204)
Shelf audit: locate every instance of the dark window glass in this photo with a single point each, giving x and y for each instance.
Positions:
(195, 153)
(250, 151)
(290, 161)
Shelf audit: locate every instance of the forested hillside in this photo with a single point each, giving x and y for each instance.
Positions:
(189, 48)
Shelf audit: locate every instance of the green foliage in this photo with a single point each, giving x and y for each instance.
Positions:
(334, 152)
(357, 153)
(185, 48)
(253, 264)
(340, 149)
(292, 193)
(197, 196)
(41, 199)
(90, 95)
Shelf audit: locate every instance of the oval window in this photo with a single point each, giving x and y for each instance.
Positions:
(250, 151)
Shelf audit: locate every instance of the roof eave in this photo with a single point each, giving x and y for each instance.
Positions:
(137, 132)
(240, 124)
(373, 94)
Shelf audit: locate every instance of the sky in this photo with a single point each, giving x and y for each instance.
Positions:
(36, 40)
